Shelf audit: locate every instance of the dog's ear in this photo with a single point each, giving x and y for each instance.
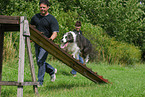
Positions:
(70, 37)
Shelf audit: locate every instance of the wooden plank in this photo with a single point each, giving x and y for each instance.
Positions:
(27, 33)
(8, 83)
(61, 55)
(21, 59)
(1, 51)
(6, 21)
(31, 64)
(13, 83)
(29, 84)
(9, 17)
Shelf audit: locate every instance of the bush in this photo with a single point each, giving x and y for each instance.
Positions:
(108, 49)
(120, 19)
(20, 8)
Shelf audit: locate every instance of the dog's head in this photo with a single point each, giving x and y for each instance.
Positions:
(67, 38)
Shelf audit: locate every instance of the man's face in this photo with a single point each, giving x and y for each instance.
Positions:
(43, 9)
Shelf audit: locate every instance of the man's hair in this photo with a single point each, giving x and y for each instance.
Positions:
(78, 23)
(44, 2)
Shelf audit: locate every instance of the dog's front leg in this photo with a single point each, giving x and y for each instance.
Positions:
(86, 59)
(73, 55)
(76, 55)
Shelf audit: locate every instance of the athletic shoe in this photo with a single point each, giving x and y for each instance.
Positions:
(74, 75)
(53, 76)
(55, 71)
(39, 85)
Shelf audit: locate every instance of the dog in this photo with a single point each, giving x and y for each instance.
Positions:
(77, 44)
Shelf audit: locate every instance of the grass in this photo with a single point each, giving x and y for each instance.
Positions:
(126, 81)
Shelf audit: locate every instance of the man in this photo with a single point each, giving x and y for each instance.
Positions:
(78, 31)
(47, 25)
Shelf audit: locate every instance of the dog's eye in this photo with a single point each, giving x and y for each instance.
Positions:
(68, 36)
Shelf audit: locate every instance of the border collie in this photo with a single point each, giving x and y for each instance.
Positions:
(77, 44)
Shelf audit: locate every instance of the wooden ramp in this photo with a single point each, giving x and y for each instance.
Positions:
(61, 55)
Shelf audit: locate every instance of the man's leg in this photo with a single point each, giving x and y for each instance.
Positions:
(80, 60)
(41, 56)
(51, 70)
(45, 67)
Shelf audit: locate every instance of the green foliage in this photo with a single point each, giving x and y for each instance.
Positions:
(66, 23)
(119, 19)
(109, 49)
(20, 8)
(66, 20)
(11, 47)
(69, 5)
(2, 6)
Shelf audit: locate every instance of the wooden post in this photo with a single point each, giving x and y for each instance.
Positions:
(8, 23)
(21, 58)
(27, 35)
(1, 51)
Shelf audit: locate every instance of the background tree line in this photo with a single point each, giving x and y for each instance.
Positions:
(115, 27)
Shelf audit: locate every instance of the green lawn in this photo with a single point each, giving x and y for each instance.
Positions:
(126, 81)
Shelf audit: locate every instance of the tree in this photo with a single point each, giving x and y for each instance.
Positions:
(120, 19)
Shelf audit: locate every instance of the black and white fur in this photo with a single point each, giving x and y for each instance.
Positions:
(77, 44)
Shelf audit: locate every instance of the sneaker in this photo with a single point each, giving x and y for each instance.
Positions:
(53, 76)
(39, 85)
(55, 71)
(74, 75)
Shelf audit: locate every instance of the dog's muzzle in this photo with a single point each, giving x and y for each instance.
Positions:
(63, 45)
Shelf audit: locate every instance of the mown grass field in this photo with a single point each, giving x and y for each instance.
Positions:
(126, 81)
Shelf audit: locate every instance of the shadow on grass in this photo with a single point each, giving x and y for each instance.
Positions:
(66, 85)
(62, 86)
(66, 73)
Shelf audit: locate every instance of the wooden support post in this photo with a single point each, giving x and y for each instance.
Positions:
(27, 34)
(24, 37)
(21, 58)
(1, 51)
(31, 65)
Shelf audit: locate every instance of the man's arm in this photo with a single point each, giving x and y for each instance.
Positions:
(53, 36)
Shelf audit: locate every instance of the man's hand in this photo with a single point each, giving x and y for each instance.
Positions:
(50, 39)
(53, 36)
(31, 41)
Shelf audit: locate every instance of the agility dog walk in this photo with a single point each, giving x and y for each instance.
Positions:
(66, 58)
